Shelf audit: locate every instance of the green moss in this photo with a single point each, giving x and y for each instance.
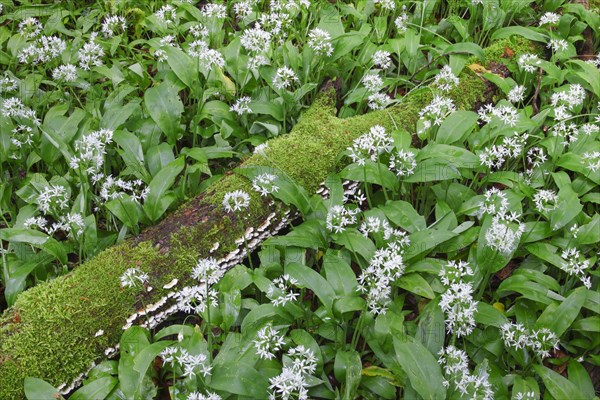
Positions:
(53, 336)
(507, 51)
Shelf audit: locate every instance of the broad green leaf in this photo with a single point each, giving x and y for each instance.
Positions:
(432, 169)
(371, 172)
(489, 315)
(568, 208)
(581, 378)
(456, 127)
(354, 241)
(239, 378)
(466, 47)
(142, 360)
(165, 108)
(309, 278)
(38, 389)
(310, 235)
(97, 389)
(125, 209)
(561, 318)
(587, 75)
(347, 369)
(414, 283)
(22, 235)
(403, 214)
(526, 32)
(182, 64)
(530, 290)
(156, 203)
(431, 330)
(421, 368)
(422, 242)
(523, 386)
(117, 116)
(557, 385)
(339, 274)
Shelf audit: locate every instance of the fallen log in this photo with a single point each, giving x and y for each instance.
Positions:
(59, 329)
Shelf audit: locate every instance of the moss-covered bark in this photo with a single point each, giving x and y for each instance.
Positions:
(52, 330)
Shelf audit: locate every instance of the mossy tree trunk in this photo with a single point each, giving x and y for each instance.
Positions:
(54, 329)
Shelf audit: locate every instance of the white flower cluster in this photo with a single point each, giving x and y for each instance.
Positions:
(456, 370)
(90, 150)
(545, 200)
(242, 106)
(30, 28)
(214, 10)
(549, 18)
(524, 396)
(592, 161)
(445, 80)
(558, 45)
(371, 145)
(14, 108)
(90, 55)
(574, 265)
(373, 83)
(256, 40)
(65, 73)
(112, 24)
(457, 301)
(505, 113)
(243, 8)
(291, 383)
(42, 50)
(384, 268)
(536, 156)
(540, 341)
(388, 5)
(403, 163)
(236, 201)
(206, 56)
(264, 184)
(132, 277)
(496, 155)
(280, 291)
(200, 396)
(339, 217)
(401, 21)
(320, 41)
(381, 59)
(112, 188)
(198, 30)
(268, 341)
(495, 202)
(516, 94)
(199, 298)
(435, 112)
(22, 136)
(71, 223)
(7, 84)
(284, 78)
(191, 365)
(529, 62)
(166, 14)
(53, 199)
(377, 225)
(207, 271)
(504, 233)
(567, 100)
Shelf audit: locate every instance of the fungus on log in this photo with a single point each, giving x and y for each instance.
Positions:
(59, 329)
